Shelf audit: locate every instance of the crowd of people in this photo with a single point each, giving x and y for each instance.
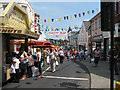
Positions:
(23, 64)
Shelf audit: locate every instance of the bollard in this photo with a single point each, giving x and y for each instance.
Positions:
(118, 85)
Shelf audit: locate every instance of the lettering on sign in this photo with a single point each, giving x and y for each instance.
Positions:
(57, 33)
(10, 31)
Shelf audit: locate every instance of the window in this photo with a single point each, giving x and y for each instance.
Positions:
(24, 7)
(119, 7)
(96, 23)
(4, 6)
(93, 26)
(99, 21)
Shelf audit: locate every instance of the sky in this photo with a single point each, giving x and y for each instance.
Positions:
(55, 10)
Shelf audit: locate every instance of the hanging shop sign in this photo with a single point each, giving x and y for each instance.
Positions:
(15, 21)
(57, 33)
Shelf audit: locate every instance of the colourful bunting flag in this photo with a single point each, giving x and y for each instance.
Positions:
(88, 12)
(44, 26)
(97, 9)
(60, 19)
(79, 15)
(45, 20)
(92, 11)
(52, 20)
(71, 17)
(83, 13)
(75, 15)
(64, 17)
(48, 20)
(56, 19)
(67, 17)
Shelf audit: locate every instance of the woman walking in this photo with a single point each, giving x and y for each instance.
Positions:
(61, 54)
(97, 56)
(39, 61)
(53, 59)
(24, 63)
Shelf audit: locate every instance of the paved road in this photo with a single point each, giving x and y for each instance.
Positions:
(70, 74)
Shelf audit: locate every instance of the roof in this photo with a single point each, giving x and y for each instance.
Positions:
(87, 24)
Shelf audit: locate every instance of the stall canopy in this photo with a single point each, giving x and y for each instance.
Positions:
(14, 21)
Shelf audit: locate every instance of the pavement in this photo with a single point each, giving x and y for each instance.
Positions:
(100, 76)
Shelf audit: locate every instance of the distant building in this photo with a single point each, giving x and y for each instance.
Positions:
(83, 35)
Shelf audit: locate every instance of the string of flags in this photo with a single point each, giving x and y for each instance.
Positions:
(69, 17)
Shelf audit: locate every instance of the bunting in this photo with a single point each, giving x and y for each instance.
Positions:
(71, 16)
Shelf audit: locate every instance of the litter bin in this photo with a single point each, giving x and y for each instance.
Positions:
(118, 85)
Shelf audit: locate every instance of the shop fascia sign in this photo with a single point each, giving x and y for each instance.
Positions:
(106, 34)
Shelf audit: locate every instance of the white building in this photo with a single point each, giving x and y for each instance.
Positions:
(83, 35)
(33, 17)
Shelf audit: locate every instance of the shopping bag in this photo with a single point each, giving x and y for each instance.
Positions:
(57, 63)
(12, 69)
(35, 71)
(92, 59)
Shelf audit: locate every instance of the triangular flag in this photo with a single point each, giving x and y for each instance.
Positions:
(52, 20)
(83, 13)
(97, 9)
(45, 20)
(60, 19)
(48, 20)
(56, 19)
(54, 28)
(88, 12)
(79, 15)
(44, 26)
(75, 15)
(67, 17)
(92, 11)
(71, 17)
(64, 17)
(49, 27)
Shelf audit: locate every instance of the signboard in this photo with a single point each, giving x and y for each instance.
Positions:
(107, 15)
(57, 33)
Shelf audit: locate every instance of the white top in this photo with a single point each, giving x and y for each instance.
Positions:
(16, 65)
(39, 53)
(61, 53)
(52, 56)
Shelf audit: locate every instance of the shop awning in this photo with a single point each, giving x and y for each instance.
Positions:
(14, 20)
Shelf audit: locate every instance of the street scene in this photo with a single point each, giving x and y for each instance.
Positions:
(60, 44)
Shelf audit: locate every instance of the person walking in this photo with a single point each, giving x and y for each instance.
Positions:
(16, 63)
(116, 55)
(68, 54)
(45, 54)
(75, 54)
(39, 61)
(97, 56)
(24, 63)
(61, 54)
(30, 64)
(53, 58)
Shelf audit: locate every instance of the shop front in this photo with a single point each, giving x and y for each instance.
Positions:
(14, 25)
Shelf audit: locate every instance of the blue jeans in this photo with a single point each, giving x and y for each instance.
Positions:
(74, 57)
